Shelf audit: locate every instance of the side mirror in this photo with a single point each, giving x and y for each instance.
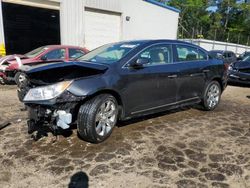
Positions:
(140, 62)
(44, 58)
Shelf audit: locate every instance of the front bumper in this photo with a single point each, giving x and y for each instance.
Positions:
(52, 117)
(7, 75)
(60, 112)
(2, 75)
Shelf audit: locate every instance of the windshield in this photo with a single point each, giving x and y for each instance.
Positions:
(36, 52)
(247, 58)
(109, 53)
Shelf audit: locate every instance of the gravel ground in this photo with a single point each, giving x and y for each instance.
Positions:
(182, 148)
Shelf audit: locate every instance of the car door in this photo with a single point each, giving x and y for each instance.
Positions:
(153, 85)
(193, 68)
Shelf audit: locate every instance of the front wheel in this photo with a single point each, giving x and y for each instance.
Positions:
(97, 118)
(19, 78)
(212, 95)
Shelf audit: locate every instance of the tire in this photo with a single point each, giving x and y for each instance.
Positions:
(19, 78)
(212, 96)
(2, 81)
(93, 123)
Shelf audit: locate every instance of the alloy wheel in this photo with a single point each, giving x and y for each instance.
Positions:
(213, 96)
(106, 118)
(21, 78)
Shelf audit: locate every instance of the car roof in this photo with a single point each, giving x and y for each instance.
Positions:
(61, 46)
(155, 41)
(221, 51)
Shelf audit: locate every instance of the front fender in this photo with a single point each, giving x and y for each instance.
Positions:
(89, 86)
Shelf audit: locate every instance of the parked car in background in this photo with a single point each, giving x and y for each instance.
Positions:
(120, 81)
(2, 78)
(10, 66)
(4, 59)
(239, 72)
(227, 56)
(243, 55)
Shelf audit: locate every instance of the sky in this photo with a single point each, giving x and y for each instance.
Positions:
(212, 8)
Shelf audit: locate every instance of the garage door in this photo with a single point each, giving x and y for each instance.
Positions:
(101, 28)
(27, 27)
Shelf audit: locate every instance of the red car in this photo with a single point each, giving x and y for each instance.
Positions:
(10, 65)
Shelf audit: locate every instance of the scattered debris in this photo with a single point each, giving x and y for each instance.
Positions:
(5, 124)
(19, 120)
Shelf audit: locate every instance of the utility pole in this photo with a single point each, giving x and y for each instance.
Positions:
(239, 38)
(228, 35)
(192, 34)
(215, 33)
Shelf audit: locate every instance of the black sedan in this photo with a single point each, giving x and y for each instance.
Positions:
(240, 72)
(121, 81)
(227, 56)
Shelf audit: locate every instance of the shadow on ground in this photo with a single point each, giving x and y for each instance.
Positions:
(79, 180)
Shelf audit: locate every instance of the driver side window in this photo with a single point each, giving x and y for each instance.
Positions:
(55, 54)
(157, 55)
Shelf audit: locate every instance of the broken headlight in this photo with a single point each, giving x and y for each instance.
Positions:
(46, 92)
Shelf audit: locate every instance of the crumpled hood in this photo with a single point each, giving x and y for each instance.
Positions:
(55, 72)
(11, 58)
(24, 60)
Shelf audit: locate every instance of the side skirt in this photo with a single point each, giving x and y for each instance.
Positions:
(180, 104)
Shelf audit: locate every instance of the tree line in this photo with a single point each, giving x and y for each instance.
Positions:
(221, 20)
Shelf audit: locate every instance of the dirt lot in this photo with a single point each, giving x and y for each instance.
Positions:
(183, 148)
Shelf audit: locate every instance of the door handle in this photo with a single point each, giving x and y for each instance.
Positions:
(196, 74)
(173, 76)
(206, 71)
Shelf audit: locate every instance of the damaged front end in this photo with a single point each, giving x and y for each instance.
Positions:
(240, 73)
(48, 93)
(54, 113)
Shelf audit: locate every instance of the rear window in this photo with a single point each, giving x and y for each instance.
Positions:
(189, 53)
(75, 53)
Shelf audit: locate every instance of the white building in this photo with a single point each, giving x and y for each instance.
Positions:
(26, 24)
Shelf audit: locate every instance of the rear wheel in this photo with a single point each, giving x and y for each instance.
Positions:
(97, 118)
(212, 96)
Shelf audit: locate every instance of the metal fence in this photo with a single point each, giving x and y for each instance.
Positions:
(216, 45)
